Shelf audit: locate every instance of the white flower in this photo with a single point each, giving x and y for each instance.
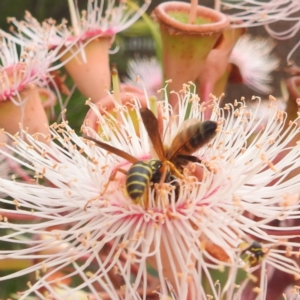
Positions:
(254, 61)
(101, 18)
(104, 18)
(264, 108)
(104, 241)
(31, 31)
(145, 72)
(19, 71)
(262, 13)
(284, 15)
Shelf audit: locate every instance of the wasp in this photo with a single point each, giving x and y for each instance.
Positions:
(169, 164)
(193, 135)
(138, 176)
(254, 253)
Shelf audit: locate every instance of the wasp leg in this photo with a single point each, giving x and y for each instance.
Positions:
(163, 171)
(173, 169)
(110, 179)
(146, 197)
(168, 166)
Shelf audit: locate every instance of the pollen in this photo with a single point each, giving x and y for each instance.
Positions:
(16, 202)
(257, 290)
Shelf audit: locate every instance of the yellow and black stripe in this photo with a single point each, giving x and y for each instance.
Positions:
(254, 253)
(138, 178)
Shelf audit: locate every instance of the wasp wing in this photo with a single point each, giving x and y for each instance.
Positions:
(192, 135)
(114, 150)
(151, 125)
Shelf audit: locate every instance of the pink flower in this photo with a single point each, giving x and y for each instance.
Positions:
(105, 242)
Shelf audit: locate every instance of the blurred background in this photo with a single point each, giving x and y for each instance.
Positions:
(131, 42)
